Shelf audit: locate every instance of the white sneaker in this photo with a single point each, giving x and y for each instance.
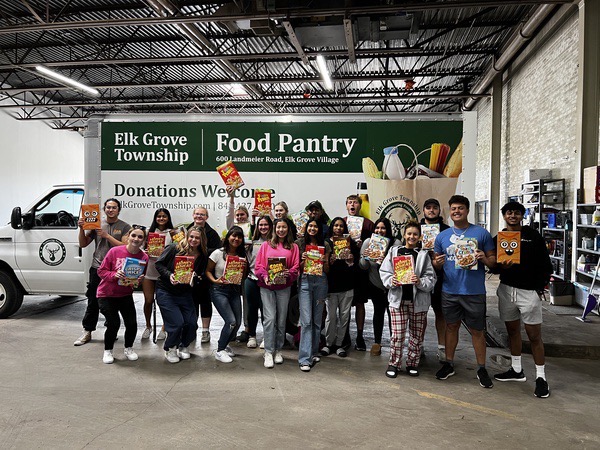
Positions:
(251, 342)
(229, 351)
(171, 355)
(83, 339)
(184, 353)
(130, 354)
(223, 356)
(108, 357)
(262, 344)
(162, 335)
(205, 337)
(147, 332)
(278, 357)
(268, 360)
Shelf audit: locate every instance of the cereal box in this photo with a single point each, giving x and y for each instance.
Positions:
(464, 254)
(91, 216)
(428, 234)
(262, 201)
(376, 250)
(133, 268)
(184, 267)
(230, 175)
(403, 269)
(275, 268)
(355, 224)
(313, 265)
(234, 269)
(156, 244)
(508, 247)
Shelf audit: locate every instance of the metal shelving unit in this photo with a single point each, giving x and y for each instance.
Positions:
(591, 252)
(558, 241)
(542, 196)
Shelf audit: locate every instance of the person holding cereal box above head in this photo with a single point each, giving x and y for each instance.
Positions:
(463, 251)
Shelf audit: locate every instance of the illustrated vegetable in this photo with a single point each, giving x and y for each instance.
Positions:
(454, 166)
(370, 168)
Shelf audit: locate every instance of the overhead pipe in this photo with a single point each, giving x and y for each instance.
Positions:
(518, 40)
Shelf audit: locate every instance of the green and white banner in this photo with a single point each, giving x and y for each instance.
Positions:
(172, 164)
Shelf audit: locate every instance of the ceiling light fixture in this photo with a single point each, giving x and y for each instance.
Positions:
(237, 90)
(324, 72)
(67, 81)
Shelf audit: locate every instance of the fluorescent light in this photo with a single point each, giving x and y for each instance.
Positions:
(67, 81)
(237, 90)
(324, 72)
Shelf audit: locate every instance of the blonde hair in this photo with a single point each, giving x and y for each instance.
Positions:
(183, 246)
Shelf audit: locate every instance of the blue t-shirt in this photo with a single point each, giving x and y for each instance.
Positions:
(459, 281)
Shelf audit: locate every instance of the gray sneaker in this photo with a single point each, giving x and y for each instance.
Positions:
(205, 337)
(83, 339)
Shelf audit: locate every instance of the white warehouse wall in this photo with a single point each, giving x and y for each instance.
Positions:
(33, 157)
(539, 116)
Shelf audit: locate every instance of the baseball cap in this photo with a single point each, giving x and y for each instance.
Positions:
(431, 201)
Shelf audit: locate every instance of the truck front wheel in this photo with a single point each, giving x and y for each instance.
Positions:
(11, 297)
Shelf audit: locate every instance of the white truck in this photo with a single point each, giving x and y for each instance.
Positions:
(169, 161)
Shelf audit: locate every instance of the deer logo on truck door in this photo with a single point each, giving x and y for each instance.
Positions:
(52, 252)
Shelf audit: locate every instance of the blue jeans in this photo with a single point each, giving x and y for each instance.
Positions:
(227, 299)
(312, 291)
(275, 307)
(179, 316)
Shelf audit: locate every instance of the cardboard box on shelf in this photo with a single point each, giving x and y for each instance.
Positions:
(536, 174)
(591, 184)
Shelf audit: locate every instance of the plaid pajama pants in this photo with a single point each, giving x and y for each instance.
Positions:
(401, 317)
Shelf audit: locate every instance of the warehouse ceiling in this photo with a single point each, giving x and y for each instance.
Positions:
(250, 56)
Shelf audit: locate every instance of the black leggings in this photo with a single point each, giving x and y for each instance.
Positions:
(202, 300)
(380, 306)
(111, 307)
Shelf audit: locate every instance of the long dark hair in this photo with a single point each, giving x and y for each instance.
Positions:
(389, 232)
(234, 231)
(319, 236)
(256, 236)
(332, 223)
(289, 239)
(154, 225)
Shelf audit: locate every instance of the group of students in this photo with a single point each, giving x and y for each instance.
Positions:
(326, 298)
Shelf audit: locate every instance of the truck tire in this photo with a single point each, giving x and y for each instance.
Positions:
(11, 297)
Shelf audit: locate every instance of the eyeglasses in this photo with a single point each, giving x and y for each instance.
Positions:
(138, 227)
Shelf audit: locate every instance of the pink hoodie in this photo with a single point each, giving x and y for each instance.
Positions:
(112, 262)
(292, 259)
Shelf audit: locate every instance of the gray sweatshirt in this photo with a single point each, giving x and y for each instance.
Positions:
(423, 270)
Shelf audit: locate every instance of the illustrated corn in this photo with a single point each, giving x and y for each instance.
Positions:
(370, 168)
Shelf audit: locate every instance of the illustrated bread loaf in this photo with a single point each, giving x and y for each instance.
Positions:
(454, 166)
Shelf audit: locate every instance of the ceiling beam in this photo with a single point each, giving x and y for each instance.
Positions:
(265, 57)
(295, 42)
(283, 14)
(349, 33)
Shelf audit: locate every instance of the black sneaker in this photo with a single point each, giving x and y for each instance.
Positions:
(341, 352)
(412, 371)
(541, 388)
(325, 351)
(391, 372)
(446, 371)
(511, 375)
(360, 345)
(242, 337)
(484, 379)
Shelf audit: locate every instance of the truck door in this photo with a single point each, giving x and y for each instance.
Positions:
(48, 255)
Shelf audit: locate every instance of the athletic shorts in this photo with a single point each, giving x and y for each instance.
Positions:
(519, 304)
(470, 308)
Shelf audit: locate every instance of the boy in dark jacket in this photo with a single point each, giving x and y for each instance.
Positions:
(518, 297)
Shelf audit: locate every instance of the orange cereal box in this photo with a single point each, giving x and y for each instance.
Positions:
(91, 216)
(230, 175)
(262, 201)
(508, 247)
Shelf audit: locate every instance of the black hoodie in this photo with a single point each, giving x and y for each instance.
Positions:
(535, 269)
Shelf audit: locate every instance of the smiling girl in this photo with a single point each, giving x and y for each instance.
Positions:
(226, 297)
(176, 299)
(377, 292)
(114, 298)
(262, 234)
(312, 291)
(161, 223)
(275, 297)
(408, 303)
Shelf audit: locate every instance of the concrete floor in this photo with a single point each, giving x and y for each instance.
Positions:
(55, 395)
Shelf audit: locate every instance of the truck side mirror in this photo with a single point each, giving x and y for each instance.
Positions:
(15, 218)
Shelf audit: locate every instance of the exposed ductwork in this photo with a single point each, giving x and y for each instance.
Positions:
(518, 40)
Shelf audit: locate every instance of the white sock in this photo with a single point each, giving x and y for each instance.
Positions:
(540, 371)
(516, 363)
(441, 347)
